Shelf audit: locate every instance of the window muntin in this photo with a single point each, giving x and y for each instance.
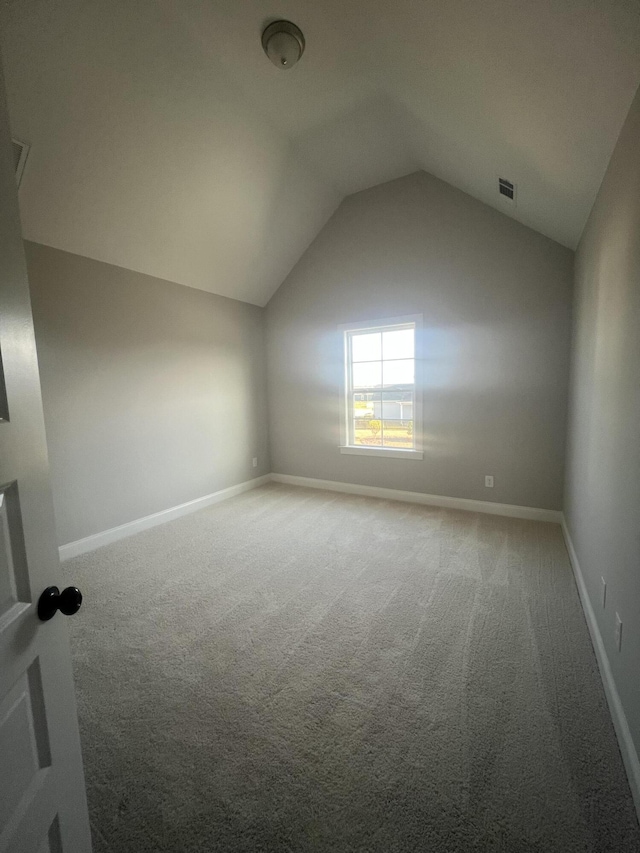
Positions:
(380, 387)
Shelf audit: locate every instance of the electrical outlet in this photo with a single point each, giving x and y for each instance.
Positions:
(488, 481)
(618, 634)
(604, 593)
(254, 461)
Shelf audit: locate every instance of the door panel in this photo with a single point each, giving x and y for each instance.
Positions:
(42, 797)
(25, 752)
(14, 575)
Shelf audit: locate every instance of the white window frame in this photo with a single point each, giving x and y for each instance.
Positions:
(346, 395)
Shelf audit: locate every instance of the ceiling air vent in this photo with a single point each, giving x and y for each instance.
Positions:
(20, 154)
(507, 189)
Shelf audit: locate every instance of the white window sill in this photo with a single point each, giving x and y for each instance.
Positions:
(381, 451)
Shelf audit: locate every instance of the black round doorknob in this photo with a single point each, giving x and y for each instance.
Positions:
(68, 602)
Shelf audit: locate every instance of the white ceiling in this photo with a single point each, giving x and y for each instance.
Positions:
(163, 140)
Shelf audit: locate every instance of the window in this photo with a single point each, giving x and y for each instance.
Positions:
(380, 409)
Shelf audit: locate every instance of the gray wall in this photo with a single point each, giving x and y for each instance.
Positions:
(602, 502)
(496, 301)
(154, 393)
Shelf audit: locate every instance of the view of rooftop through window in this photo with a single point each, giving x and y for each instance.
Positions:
(381, 386)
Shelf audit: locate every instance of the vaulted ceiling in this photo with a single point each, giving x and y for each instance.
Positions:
(163, 140)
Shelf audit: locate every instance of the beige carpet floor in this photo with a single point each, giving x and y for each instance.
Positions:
(295, 670)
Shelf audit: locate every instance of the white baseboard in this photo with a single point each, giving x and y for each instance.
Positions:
(510, 510)
(97, 540)
(106, 537)
(625, 741)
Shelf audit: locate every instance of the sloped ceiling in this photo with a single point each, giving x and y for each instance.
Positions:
(164, 141)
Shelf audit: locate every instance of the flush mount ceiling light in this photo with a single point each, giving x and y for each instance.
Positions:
(283, 43)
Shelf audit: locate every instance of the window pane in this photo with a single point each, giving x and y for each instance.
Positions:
(397, 409)
(403, 394)
(367, 374)
(398, 434)
(366, 405)
(399, 372)
(366, 347)
(398, 344)
(367, 432)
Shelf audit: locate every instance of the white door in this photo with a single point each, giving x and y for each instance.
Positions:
(43, 805)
